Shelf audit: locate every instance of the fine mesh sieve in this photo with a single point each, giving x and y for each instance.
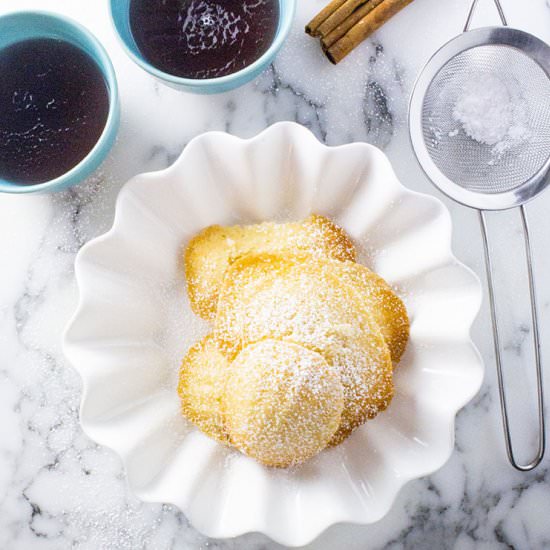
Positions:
(483, 173)
(470, 164)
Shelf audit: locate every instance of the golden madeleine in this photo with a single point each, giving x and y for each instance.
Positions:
(282, 403)
(384, 305)
(212, 251)
(294, 299)
(201, 386)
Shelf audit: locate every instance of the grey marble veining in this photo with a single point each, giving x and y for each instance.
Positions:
(59, 490)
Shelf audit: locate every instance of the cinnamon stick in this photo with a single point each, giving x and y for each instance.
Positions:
(340, 30)
(364, 28)
(313, 26)
(340, 15)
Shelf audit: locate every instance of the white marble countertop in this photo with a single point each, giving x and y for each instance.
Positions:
(59, 490)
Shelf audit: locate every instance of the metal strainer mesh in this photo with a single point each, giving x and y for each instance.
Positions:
(477, 166)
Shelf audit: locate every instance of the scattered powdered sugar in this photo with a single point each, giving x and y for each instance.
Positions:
(292, 328)
(283, 402)
(492, 111)
(210, 253)
(299, 301)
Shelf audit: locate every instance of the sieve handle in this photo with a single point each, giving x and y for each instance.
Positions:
(536, 341)
(473, 9)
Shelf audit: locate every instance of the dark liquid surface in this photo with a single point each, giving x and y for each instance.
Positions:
(54, 105)
(203, 38)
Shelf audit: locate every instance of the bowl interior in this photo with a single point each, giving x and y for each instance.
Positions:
(21, 26)
(134, 325)
(120, 10)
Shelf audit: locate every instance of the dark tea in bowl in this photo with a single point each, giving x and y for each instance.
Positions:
(54, 104)
(59, 110)
(203, 38)
(203, 46)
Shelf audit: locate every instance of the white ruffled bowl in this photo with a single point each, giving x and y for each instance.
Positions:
(133, 326)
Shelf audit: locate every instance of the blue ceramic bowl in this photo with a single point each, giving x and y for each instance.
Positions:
(19, 26)
(120, 10)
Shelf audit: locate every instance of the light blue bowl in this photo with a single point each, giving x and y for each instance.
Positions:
(120, 13)
(19, 26)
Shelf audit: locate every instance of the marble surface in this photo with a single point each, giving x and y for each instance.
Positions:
(59, 490)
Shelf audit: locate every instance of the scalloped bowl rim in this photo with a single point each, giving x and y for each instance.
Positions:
(452, 411)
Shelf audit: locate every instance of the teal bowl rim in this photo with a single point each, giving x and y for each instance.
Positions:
(285, 24)
(106, 140)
